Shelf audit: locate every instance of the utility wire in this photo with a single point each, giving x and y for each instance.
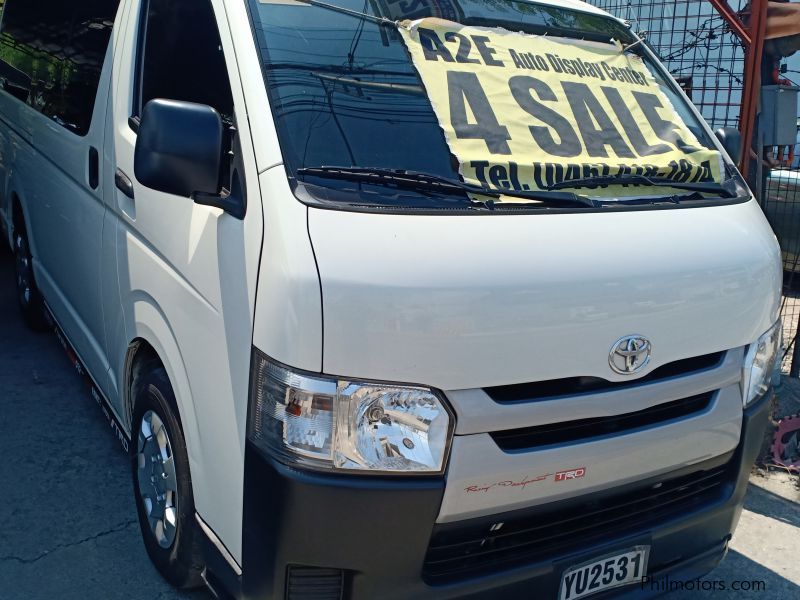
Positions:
(353, 13)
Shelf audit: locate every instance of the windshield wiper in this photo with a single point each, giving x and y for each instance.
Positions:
(418, 180)
(671, 199)
(723, 189)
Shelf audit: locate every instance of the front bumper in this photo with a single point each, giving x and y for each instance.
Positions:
(377, 532)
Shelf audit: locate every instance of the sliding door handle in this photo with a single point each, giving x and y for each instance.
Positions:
(123, 183)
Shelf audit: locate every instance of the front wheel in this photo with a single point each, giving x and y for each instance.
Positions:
(163, 484)
(28, 296)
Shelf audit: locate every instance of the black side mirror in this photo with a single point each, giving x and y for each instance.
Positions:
(179, 148)
(179, 151)
(731, 140)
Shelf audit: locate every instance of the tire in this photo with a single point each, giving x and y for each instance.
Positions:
(29, 298)
(164, 499)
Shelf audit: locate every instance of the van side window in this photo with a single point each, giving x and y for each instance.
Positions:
(181, 56)
(51, 56)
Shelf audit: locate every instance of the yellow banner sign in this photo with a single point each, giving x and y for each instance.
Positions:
(525, 112)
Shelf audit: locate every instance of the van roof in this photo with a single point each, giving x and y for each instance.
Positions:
(573, 5)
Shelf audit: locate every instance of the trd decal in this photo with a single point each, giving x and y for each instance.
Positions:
(508, 483)
(112, 422)
(570, 474)
(116, 429)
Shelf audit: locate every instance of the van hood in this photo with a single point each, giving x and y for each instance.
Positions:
(468, 301)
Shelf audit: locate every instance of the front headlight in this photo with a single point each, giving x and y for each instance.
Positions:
(325, 423)
(759, 363)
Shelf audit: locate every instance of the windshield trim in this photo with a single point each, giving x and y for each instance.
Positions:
(315, 196)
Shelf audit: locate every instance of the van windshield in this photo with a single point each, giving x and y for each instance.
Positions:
(345, 92)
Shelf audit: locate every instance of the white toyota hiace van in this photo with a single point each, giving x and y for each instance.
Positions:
(393, 299)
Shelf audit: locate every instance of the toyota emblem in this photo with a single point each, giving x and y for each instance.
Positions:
(630, 354)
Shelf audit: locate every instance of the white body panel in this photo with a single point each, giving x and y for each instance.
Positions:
(289, 306)
(483, 479)
(478, 412)
(64, 216)
(187, 282)
(460, 302)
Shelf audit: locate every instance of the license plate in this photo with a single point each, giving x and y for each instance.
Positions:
(603, 574)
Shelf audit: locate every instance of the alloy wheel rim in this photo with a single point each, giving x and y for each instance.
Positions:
(158, 485)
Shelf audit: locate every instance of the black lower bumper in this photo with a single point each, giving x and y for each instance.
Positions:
(375, 532)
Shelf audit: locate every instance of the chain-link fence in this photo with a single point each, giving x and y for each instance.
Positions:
(708, 61)
(696, 45)
(781, 204)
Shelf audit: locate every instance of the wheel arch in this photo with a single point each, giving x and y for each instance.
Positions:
(18, 217)
(153, 342)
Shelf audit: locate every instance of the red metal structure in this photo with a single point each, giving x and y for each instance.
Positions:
(713, 41)
(732, 18)
(752, 36)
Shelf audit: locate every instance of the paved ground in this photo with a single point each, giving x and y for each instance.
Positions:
(68, 527)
